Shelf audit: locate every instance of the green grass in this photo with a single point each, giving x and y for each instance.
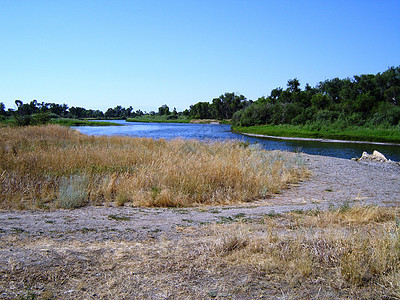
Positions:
(76, 122)
(159, 119)
(355, 133)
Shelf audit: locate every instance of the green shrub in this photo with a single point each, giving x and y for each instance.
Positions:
(73, 191)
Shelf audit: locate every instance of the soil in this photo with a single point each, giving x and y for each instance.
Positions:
(334, 182)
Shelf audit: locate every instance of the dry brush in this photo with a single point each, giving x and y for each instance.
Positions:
(53, 166)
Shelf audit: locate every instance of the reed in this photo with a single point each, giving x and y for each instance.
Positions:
(36, 164)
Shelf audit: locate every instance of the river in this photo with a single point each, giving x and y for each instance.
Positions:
(222, 132)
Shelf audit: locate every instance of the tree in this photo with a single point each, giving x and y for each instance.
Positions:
(2, 109)
(275, 94)
(293, 85)
(163, 110)
(200, 110)
(226, 105)
(58, 109)
(77, 112)
(331, 88)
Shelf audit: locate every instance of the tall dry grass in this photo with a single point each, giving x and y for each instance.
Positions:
(41, 166)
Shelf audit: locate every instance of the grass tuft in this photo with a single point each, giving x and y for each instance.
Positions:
(73, 191)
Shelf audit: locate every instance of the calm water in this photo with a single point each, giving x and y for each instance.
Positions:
(222, 132)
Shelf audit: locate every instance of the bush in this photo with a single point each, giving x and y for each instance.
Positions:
(386, 114)
(73, 191)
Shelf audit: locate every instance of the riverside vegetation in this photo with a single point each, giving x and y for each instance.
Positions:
(364, 107)
(53, 166)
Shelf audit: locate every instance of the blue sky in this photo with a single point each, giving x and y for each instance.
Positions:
(100, 54)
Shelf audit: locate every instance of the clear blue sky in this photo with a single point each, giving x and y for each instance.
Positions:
(100, 54)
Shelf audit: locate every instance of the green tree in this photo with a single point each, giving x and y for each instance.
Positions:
(200, 110)
(2, 109)
(77, 112)
(293, 85)
(59, 109)
(163, 110)
(226, 105)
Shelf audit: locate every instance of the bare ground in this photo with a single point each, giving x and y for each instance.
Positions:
(87, 240)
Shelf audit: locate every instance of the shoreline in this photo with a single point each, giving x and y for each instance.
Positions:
(314, 139)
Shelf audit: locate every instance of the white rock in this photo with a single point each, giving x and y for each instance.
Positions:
(378, 155)
(375, 156)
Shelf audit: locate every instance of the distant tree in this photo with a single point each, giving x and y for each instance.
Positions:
(128, 112)
(2, 109)
(163, 110)
(294, 85)
(110, 113)
(24, 113)
(200, 110)
(96, 114)
(331, 88)
(275, 94)
(186, 112)
(226, 105)
(320, 101)
(77, 112)
(59, 109)
(43, 107)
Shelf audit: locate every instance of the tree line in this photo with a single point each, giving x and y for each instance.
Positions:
(361, 100)
(35, 112)
(365, 100)
(39, 113)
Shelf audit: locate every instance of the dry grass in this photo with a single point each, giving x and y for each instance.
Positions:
(53, 166)
(352, 254)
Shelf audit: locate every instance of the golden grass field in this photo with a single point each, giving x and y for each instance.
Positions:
(53, 166)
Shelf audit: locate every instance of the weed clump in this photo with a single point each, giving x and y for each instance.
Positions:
(73, 191)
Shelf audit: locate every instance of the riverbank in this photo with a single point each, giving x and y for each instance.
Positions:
(78, 122)
(159, 119)
(332, 236)
(314, 139)
(353, 134)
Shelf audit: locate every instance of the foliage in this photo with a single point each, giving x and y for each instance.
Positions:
(362, 100)
(73, 191)
(359, 101)
(159, 119)
(76, 122)
(163, 110)
(222, 107)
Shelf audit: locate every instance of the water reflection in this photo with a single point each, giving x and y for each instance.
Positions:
(222, 132)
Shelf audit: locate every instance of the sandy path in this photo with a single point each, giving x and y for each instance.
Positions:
(334, 181)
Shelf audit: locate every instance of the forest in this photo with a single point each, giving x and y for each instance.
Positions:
(364, 100)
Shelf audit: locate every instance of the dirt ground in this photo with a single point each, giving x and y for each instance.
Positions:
(334, 182)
